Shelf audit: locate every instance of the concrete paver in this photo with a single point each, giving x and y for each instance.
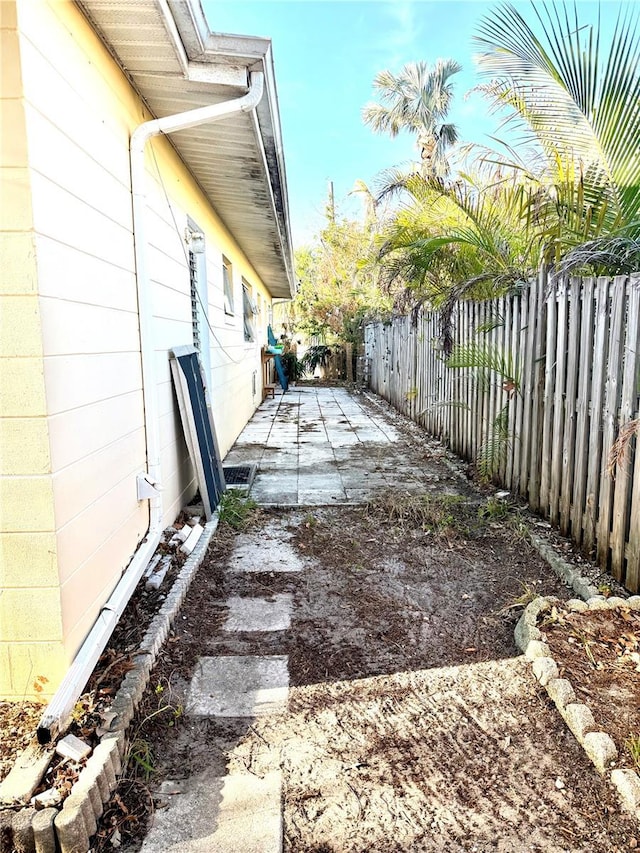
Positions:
(240, 813)
(239, 686)
(259, 614)
(312, 442)
(254, 554)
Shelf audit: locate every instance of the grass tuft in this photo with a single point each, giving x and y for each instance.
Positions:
(632, 745)
(236, 509)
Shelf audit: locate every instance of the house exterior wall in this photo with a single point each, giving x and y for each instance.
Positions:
(73, 432)
(30, 614)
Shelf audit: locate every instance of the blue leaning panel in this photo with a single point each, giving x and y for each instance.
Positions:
(198, 426)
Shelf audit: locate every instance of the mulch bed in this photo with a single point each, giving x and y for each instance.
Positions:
(599, 652)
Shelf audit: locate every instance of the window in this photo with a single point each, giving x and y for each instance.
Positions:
(227, 285)
(198, 290)
(195, 311)
(249, 311)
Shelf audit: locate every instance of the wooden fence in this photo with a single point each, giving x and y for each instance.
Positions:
(561, 381)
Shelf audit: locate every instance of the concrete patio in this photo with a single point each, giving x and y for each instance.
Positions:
(324, 446)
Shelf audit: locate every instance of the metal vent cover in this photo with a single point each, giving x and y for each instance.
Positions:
(239, 476)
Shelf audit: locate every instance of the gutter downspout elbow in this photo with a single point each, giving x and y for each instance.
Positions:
(57, 714)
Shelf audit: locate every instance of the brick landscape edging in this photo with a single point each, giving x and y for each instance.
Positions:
(599, 746)
(69, 829)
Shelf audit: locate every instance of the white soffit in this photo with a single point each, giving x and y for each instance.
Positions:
(176, 64)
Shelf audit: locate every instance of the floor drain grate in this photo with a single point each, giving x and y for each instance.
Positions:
(239, 475)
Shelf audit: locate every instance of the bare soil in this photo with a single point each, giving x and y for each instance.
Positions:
(413, 724)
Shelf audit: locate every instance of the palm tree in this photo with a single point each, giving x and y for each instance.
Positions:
(578, 101)
(417, 100)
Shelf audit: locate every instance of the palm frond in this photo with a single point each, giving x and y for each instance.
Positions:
(578, 97)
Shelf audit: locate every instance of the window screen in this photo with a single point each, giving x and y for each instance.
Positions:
(248, 314)
(227, 284)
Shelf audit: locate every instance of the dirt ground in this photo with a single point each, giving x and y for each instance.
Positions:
(413, 724)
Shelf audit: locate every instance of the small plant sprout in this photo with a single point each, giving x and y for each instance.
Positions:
(494, 509)
(605, 588)
(632, 745)
(528, 594)
(141, 757)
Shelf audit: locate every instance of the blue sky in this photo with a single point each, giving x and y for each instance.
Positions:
(326, 55)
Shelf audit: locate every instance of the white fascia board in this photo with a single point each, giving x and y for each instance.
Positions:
(192, 24)
(234, 76)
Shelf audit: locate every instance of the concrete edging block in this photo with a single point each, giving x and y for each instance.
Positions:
(69, 829)
(627, 784)
(44, 835)
(598, 746)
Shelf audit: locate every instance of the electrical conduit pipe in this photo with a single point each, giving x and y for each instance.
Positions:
(58, 712)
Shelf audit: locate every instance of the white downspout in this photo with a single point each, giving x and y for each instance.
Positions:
(58, 712)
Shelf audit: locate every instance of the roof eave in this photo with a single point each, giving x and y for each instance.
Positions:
(223, 62)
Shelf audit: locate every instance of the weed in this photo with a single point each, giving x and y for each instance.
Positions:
(586, 643)
(235, 509)
(519, 528)
(494, 509)
(527, 595)
(605, 588)
(141, 757)
(632, 745)
(437, 514)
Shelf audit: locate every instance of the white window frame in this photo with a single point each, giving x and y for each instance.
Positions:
(200, 301)
(249, 312)
(227, 287)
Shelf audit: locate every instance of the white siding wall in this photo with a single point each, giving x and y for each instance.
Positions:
(79, 114)
(78, 154)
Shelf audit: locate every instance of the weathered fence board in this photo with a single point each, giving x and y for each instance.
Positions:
(628, 410)
(582, 423)
(571, 347)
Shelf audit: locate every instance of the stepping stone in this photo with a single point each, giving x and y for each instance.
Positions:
(240, 813)
(265, 555)
(259, 614)
(239, 686)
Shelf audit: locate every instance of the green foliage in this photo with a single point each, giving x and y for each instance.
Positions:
(494, 509)
(486, 359)
(292, 366)
(495, 447)
(316, 356)
(576, 97)
(632, 745)
(339, 280)
(236, 509)
(141, 758)
(568, 194)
